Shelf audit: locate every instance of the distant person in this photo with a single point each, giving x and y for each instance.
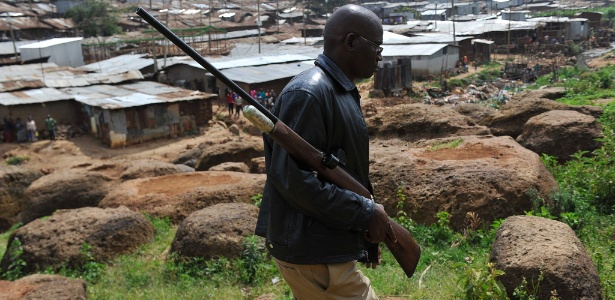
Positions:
(31, 129)
(20, 130)
(51, 123)
(238, 105)
(231, 103)
(8, 128)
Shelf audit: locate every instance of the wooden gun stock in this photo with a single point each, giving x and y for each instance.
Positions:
(400, 242)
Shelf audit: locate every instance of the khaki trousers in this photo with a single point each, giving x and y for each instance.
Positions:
(327, 281)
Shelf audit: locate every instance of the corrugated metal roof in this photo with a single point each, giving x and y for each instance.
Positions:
(267, 73)
(131, 95)
(29, 71)
(481, 26)
(6, 7)
(6, 48)
(243, 49)
(553, 19)
(51, 75)
(411, 50)
(434, 38)
(118, 64)
(51, 42)
(43, 95)
(20, 85)
(60, 24)
(22, 23)
(254, 61)
(431, 12)
(91, 79)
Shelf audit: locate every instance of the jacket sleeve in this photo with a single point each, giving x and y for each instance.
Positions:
(312, 196)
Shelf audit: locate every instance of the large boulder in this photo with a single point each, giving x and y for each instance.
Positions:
(63, 189)
(414, 122)
(236, 150)
(487, 175)
(215, 231)
(231, 166)
(209, 154)
(475, 111)
(13, 183)
(560, 133)
(177, 196)
(526, 246)
(43, 286)
(149, 168)
(510, 119)
(60, 239)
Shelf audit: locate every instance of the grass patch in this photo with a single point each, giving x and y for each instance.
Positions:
(16, 160)
(446, 145)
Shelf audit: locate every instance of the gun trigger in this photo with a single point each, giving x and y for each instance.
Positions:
(330, 161)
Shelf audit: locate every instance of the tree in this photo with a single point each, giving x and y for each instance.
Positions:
(95, 18)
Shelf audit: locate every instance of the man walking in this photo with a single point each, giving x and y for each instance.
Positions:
(315, 230)
(50, 124)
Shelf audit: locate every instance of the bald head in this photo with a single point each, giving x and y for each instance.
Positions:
(347, 19)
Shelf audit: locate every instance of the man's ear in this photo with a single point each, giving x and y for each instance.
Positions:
(350, 41)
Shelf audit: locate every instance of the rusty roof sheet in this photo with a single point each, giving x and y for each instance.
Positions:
(21, 23)
(8, 8)
(17, 77)
(43, 95)
(60, 23)
(134, 94)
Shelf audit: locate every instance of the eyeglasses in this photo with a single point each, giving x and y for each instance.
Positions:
(376, 46)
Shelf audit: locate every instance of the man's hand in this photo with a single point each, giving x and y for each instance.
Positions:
(378, 225)
(374, 264)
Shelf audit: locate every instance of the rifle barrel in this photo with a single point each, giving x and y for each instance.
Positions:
(203, 62)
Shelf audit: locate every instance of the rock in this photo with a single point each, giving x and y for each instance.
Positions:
(257, 165)
(190, 157)
(474, 111)
(148, 168)
(184, 168)
(59, 239)
(235, 150)
(525, 246)
(561, 133)
(486, 175)
(231, 166)
(413, 122)
(63, 189)
(43, 286)
(13, 183)
(234, 129)
(215, 231)
(525, 105)
(178, 195)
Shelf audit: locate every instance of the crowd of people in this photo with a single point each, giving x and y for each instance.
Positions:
(14, 130)
(235, 102)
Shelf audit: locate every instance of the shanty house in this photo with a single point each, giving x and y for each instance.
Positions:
(427, 59)
(134, 113)
(62, 51)
(267, 72)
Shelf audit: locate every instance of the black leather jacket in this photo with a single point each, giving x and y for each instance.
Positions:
(305, 219)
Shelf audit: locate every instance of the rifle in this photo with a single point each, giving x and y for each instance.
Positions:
(399, 240)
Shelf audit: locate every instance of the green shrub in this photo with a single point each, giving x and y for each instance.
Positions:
(16, 160)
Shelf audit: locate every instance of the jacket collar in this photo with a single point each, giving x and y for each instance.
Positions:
(330, 67)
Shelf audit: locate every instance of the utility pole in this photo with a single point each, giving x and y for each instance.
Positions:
(211, 11)
(258, 24)
(453, 19)
(304, 22)
(13, 36)
(277, 13)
